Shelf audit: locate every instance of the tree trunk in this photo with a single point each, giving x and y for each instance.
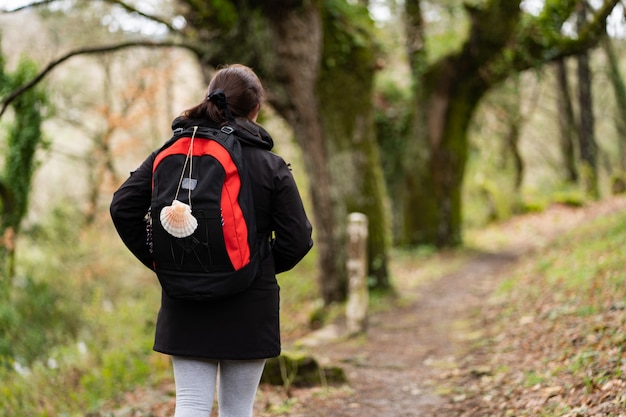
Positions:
(567, 123)
(511, 140)
(512, 108)
(449, 93)
(336, 135)
(345, 93)
(417, 211)
(320, 80)
(451, 107)
(297, 40)
(588, 146)
(24, 137)
(619, 88)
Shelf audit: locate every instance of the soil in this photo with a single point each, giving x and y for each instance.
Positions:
(396, 368)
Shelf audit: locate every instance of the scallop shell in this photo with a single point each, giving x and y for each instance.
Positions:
(177, 219)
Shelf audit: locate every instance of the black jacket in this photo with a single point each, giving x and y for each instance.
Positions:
(246, 325)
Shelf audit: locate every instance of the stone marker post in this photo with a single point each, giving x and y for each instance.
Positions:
(358, 293)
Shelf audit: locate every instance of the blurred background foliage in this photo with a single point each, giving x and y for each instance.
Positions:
(77, 311)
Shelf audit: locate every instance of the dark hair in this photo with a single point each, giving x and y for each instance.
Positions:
(242, 90)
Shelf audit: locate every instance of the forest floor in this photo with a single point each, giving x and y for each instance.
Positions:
(420, 359)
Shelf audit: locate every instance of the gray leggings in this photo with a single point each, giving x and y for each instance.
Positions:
(196, 380)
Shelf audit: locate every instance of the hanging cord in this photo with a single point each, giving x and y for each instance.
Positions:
(190, 160)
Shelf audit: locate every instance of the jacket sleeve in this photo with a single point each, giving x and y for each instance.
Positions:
(129, 208)
(292, 229)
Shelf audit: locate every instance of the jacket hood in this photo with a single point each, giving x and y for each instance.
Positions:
(248, 132)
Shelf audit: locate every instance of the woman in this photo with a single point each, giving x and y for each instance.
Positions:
(224, 343)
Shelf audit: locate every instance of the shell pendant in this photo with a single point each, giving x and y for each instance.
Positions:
(177, 219)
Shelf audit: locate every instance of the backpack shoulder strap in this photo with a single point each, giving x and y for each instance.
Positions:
(223, 133)
(203, 132)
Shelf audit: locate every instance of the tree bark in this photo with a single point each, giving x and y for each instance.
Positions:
(418, 210)
(619, 89)
(449, 92)
(512, 107)
(567, 123)
(345, 93)
(298, 74)
(587, 141)
(321, 80)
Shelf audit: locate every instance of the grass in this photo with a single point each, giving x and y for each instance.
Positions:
(559, 320)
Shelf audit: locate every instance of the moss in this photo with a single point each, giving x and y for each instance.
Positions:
(301, 370)
(345, 93)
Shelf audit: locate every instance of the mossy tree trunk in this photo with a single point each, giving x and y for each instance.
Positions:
(513, 108)
(567, 123)
(619, 89)
(451, 106)
(295, 78)
(417, 211)
(327, 99)
(23, 139)
(323, 90)
(499, 44)
(587, 138)
(345, 91)
(618, 180)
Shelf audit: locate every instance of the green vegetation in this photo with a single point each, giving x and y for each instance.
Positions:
(24, 137)
(80, 326)
(560, 324)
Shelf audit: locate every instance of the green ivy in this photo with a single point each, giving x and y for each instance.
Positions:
(23, 136)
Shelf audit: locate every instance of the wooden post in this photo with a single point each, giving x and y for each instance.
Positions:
(358, 293)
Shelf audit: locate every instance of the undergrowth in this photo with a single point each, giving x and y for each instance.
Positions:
(556, 327)
(78, 332)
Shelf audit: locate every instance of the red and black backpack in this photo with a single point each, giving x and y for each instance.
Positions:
(204, 233)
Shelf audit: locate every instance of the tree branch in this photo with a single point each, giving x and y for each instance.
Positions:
(29, 6)
(532, 51)
(121, 3)
(132, 9)
(90, 51)
(596, 28)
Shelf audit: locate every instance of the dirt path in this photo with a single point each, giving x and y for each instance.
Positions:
(393, 370)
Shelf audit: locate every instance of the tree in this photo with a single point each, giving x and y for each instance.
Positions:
(502, 41)
(567, 122)
(23, 138)
(512, 108)
(587, 141)
(120, 107)
(619, 89)
(318, 61)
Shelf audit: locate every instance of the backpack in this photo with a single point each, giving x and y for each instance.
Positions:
(204, 238)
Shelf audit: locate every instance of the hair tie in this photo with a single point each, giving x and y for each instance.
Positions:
(218, 97)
